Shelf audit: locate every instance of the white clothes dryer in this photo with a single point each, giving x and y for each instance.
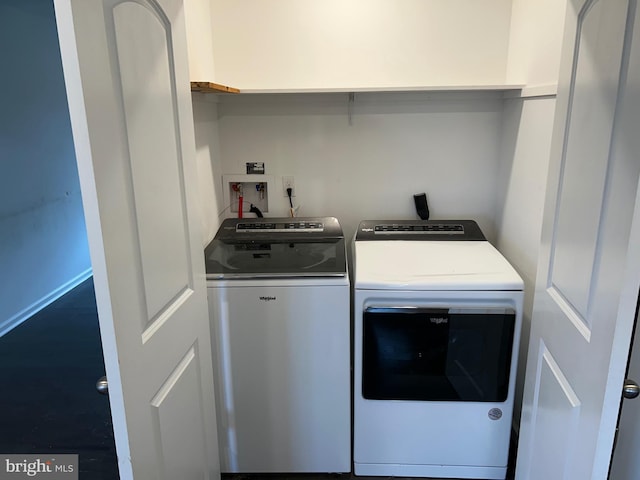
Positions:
(437, 318)
(279, 302)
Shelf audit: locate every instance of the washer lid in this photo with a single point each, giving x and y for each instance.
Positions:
(434, 265)
(275, 248)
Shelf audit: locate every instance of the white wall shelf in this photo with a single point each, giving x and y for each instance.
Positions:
(428, 88)
(532, 91)
(210, 87)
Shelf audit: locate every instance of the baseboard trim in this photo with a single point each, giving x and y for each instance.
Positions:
(35, 307)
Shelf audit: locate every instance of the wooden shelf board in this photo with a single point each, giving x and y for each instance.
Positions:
(210, 87)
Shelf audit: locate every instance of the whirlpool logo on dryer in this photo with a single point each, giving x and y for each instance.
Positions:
(266, 298)
(439, 320)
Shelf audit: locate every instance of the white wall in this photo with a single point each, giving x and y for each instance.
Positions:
(43, 244)
(198, 22)
(526, 142)
(298, 44)
(534, 60)
(398, 144)
(535, 41)
(205, 116)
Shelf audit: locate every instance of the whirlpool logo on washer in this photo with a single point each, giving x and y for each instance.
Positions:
(265, 298)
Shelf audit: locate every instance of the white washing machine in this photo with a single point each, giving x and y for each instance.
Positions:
(279, 302)
(437, 317)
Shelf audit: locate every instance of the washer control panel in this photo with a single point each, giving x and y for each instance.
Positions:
(279, 229)
(288, 227)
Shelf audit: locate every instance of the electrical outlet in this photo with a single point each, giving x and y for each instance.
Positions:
(287, 182)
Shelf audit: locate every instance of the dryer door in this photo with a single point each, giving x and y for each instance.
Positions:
(437, 354)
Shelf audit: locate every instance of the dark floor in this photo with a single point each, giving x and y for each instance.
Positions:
(48, 401)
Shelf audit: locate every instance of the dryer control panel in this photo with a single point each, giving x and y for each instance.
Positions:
(466, 230)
